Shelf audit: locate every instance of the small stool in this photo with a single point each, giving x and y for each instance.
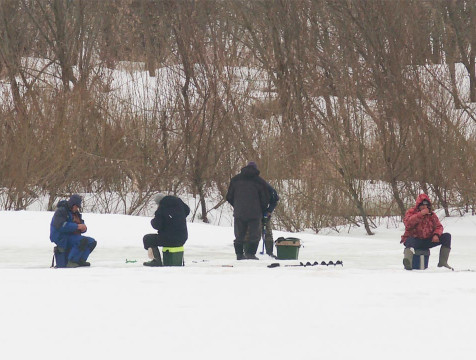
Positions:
(173, 256)
(420, 259)
(61, 257)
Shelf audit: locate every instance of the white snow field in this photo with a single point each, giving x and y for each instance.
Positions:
(368, 309)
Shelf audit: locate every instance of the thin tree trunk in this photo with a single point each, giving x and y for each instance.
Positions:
(398, 199)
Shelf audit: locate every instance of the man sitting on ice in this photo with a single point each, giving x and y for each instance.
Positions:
(66, 229)
(171, 225)
(423, 230)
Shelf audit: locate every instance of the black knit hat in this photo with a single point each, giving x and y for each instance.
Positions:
(252, 164)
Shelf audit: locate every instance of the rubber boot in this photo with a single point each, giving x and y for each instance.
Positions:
(269, 248)
(239, 251)
(408, 259)
(154, 254)
(444, 255)
(251, 253)
(72, 264)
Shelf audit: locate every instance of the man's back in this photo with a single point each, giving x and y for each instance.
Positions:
(248, 194)
(170, 220)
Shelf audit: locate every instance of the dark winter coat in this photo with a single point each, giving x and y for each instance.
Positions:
(170, 221)
(421, 226)
(248, 194)
(274, 198)
(62, 225)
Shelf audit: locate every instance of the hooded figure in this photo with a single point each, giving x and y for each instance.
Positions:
(423, 231)
(75, 199)
(248, 194)
(66, 229)
(171, 225)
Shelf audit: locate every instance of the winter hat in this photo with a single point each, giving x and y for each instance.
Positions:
(252, 164)
(75, 199)
(159, 197)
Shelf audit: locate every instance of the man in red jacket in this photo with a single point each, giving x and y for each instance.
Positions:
(423, 230)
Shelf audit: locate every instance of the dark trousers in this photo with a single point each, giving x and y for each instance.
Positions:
(152, 240)
(81, 247)
(267, 225)
(425, 244)
(249, 228)
(269, 229)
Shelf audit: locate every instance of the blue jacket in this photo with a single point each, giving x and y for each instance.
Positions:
(62, 225)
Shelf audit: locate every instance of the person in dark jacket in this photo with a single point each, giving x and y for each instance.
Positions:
(171, 225)
(423, 230)
(267, 225)
(249, 196)
(66, 229)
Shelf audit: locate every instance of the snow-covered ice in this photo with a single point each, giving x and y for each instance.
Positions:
(368, 309)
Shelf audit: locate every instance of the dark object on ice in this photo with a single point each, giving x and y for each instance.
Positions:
(273, 265)
(153, 263)
(61, 257)
(316, 263)
(251, 257)
(420, 259)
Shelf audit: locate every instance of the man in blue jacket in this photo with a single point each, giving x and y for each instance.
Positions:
(66, 229)
(171, 225)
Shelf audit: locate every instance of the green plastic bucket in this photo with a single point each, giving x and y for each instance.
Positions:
(173, 256)
(287, 248)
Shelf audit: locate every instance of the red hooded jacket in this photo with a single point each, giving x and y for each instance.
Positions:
(421, 226)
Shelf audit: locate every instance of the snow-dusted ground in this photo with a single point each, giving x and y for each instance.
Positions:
(368, 309)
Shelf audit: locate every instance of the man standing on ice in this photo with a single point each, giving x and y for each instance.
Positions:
(267, 225)
(249, 196)
(66, 229)
(423, 230)
(171, 225)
